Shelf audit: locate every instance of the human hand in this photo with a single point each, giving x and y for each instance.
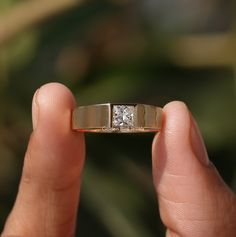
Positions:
(193, 199)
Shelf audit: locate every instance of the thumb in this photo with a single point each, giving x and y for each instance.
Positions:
(193, 199)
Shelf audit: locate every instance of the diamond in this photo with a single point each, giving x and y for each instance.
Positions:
(123, 116)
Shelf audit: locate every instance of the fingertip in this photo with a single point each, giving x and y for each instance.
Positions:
(177, 119)
(174, 105)
(55, 96)
(175, 132)
(52, 110)
(181, 124)
(172, 150)
(52, 106)
(53, 136)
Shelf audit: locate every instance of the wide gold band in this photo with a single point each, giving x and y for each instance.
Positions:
(117, 118)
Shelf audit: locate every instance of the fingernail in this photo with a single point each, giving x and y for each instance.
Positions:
(35, 110)
(197, 143)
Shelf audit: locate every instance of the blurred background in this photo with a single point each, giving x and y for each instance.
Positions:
(146, 51)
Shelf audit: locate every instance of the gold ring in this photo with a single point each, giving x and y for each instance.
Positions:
(117, 118)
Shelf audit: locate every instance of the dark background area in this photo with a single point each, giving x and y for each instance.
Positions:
(150, 51)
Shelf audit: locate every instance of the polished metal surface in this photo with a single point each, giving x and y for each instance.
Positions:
(100, 117)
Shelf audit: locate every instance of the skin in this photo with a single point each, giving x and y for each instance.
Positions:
(193, 199)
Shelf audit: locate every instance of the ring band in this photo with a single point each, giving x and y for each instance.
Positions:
(117, 118)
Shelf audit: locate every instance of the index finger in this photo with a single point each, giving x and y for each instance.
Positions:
(47, 200)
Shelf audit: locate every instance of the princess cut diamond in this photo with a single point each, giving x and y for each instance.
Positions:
(123, 116)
